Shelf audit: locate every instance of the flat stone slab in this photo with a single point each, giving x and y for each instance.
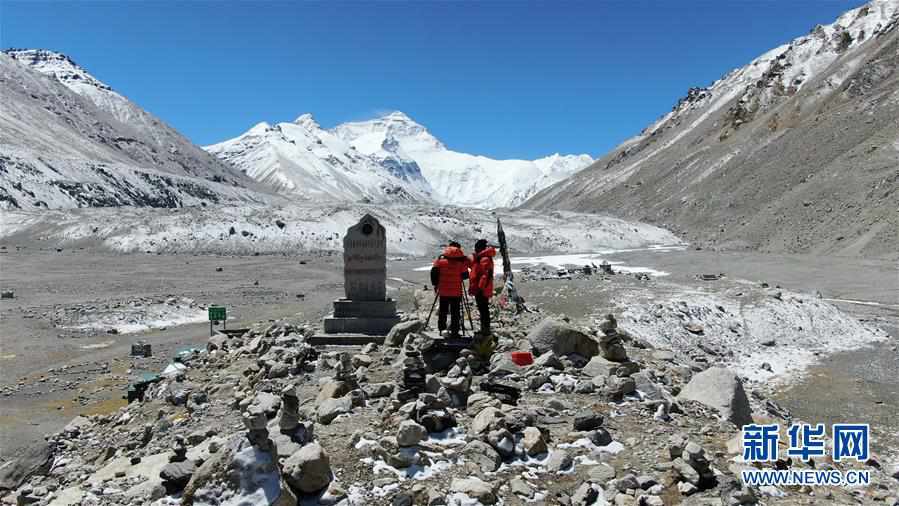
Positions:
(376, 326)
(343, 339)
(346, 308)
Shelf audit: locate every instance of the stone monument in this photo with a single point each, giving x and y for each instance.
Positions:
(366, 308)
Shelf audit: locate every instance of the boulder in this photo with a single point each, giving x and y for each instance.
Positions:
(559, 460)
(617, 387)
(587, 420)
(599, 437)
(489, 418)
(332, 390)
(480, 400)
(550, 360)
(502, 441)
(332, 408)
(475, 489)
(521, 488)
(600, 366)
(376, 390)
(601, 473)
(721, 389)
(250, 475)
(482, 455)
(532, 441)
(268, 402)
(308, 470)
(647, 386)
(585, 495)
(33, 460)
(611, 347)
(175, 475)
(410, 433)
(398, 333)
(562, 339)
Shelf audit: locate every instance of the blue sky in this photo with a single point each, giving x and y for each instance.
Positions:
(505, 79)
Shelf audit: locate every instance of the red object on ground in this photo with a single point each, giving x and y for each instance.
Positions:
(522, 358)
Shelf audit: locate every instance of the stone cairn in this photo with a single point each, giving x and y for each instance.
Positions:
(610, 342)
(179, 450)
(345, 372)
(256, 422)
(412, 377)
(458, 382)
(289, 422)
(290, 411)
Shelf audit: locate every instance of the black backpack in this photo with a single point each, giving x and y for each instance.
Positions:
(435, 276)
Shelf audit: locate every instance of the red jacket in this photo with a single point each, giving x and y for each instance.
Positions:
(482, 273)
(451, 264)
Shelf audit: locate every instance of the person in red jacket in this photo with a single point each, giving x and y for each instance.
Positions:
(480, 282)
(450, 267)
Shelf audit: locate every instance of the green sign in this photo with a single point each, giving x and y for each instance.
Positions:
(216, 314)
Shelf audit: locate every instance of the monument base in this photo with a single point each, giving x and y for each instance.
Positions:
(343, 339)
(369, 317)
(346, 308)
(373, 326)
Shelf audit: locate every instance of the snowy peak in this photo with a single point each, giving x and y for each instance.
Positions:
(391, 128)
(63, 69)
(388, 158)
(308, 122)
(303, 160)
(56, 65)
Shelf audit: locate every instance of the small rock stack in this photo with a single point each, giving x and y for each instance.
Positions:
(458, 382)
(345, 371)
(255, 421)
(412, 377)
(610, 343)
(178, 471)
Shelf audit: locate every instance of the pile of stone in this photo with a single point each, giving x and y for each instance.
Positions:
(179, 470)
(412, 377)
(341, 392)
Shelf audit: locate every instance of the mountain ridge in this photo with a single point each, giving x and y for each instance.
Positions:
(794, 152)
(60, 147)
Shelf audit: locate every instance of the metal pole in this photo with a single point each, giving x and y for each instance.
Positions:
(467, 307)
(433, 304)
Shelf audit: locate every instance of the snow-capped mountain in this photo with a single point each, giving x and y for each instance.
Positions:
(68, 140)
(144, 138)
(302, 159)
(460, 178)
(796, 151)
(386, 159)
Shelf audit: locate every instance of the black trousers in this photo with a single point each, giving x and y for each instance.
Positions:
(483, 304)
(452, 305)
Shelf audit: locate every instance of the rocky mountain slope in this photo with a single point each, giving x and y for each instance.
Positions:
(68, 140)
(390, 158)
(798, 151)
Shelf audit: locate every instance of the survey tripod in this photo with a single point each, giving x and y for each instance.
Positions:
(466, 308)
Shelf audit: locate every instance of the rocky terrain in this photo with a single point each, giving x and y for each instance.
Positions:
(262, 417)
(639, 408)
(798, 151)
